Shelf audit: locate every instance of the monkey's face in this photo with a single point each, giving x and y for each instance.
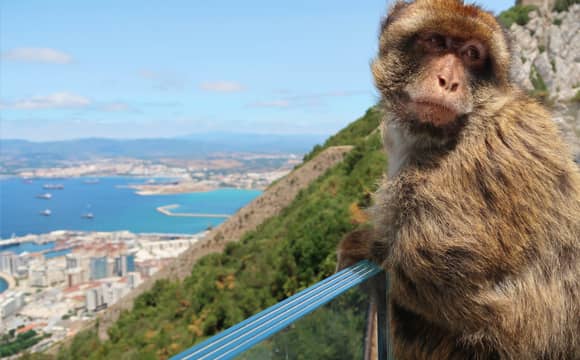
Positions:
(437, 60)
(440, 91)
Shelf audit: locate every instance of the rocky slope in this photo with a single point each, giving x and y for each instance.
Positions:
(547, 62)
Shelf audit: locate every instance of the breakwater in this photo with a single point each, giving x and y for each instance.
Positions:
(166, 210)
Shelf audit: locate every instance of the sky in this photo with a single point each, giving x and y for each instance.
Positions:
(142, 69)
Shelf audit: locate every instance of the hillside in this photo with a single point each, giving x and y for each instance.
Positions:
(283, 255)
(270, 203)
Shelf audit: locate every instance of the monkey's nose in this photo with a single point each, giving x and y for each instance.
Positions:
(451, 86)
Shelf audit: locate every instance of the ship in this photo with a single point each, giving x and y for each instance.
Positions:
(46, 196)
(46, 212)
(88, 216)
(53, 186)
(91, 181)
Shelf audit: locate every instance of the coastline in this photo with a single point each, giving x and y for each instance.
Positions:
(9, 280)
(169, 189)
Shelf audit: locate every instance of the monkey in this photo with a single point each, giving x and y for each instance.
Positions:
(477, 221)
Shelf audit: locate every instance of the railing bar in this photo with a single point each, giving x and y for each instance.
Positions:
(342, 276)
(216, 340)
(282, 311)
(243, 344)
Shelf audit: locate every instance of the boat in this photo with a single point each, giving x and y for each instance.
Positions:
(53, 186)
(92, 181)
(88, 216)
(46, 196)
(46, 212)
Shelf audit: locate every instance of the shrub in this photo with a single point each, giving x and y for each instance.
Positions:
(563, 5)
(518, 14)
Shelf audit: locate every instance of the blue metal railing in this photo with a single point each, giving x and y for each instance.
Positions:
(246, 334)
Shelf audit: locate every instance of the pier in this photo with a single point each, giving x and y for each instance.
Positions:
(166, 210)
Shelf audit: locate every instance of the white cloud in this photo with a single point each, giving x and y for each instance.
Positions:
(115, 107)
(41, 55)
(222, 86)
(61, 100)
(271, 104)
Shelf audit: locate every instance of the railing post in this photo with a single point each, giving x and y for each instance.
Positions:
(381, 281)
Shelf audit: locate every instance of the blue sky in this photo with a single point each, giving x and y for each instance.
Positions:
(132, 69)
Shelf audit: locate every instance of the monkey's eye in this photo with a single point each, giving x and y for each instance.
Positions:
(433, 42)
(472, 53)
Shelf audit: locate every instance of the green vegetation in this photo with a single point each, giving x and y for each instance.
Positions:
(563, 5)
(304, 339)
(286, 254)
(540, 89)
(576, 97)
(518, 14)
(10, 345)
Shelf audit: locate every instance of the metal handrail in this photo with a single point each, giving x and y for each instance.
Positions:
(246, 334)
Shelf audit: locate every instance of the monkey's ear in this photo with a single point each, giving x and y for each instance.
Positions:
(354, 247)
(394, 14)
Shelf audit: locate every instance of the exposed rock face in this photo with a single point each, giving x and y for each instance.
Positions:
(548, 48)
(550, 44)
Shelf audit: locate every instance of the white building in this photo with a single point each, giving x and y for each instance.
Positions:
(11, 303)
(113, 292)
(94, 299)
(38, 277)
(9, 263)
(75, 277)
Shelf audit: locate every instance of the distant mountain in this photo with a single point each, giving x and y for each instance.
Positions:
(190, 146)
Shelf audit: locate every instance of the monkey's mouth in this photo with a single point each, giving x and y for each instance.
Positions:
(433, 112)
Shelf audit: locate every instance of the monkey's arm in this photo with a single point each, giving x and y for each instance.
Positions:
(354, 247)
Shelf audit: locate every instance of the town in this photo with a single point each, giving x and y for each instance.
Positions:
(53, 293)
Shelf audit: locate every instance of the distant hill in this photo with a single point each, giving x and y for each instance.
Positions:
(191, 146)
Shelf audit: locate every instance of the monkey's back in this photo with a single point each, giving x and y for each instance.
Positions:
(483, 237)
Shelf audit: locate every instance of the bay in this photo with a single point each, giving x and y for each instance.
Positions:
(114, 208)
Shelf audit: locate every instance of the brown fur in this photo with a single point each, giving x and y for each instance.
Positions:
(479, 223)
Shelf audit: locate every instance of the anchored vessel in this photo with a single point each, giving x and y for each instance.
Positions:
(53, 186)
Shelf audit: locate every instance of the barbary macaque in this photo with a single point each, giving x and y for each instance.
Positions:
(478, 222)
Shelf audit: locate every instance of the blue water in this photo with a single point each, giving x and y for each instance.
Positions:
(3, 285)
(114, 208)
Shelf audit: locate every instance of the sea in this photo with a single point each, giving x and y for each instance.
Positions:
(114, 207)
